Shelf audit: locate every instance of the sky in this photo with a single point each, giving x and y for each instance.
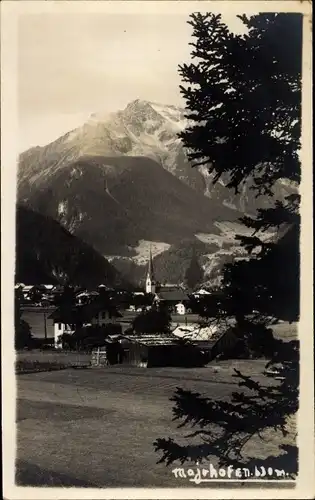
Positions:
(72, 65)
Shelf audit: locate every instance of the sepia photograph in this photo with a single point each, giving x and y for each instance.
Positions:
(157, 168)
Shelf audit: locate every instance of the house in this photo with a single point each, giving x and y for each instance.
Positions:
(27, 289)
(65, 321)
(34, 293)
(180, 308)
(139, 301)
(173, 297)
(94, 313)
(83, 297)
(19, 286)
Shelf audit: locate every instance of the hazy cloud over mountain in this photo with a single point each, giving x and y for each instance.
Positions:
(71, 65)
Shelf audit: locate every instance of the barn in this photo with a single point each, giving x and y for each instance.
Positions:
(150, 350)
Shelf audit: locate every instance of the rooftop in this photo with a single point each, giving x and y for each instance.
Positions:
(209, 343)
(172, 293)
(194, 332)
(153, 339)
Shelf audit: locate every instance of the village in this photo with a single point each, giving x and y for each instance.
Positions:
(160, 325)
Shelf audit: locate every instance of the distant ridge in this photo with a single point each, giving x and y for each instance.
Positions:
(48, 253)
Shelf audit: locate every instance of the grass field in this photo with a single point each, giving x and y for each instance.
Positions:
(96, 427)
(36, 360)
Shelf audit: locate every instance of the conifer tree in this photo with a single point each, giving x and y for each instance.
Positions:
(194, 272)
(243, 100)
(156, 320)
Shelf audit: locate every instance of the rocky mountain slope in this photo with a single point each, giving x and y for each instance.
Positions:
(112, 203)
(212, 250)
(144, 129)
(141, 129)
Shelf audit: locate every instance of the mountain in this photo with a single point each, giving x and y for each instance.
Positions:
(112, 203)
(122, 182)
(48, 253)
(143, 129)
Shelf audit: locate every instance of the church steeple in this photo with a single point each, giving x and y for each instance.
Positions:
(150, 280)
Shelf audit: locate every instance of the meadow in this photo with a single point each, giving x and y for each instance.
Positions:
(96, 427)
(38, 360)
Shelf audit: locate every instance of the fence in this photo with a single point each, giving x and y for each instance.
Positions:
(99, 357)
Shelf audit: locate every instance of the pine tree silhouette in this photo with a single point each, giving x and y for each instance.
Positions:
(194, 272)
(243, 95)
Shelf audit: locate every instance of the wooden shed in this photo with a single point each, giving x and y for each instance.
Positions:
(218, 344)
(110, 353)
(148, 350)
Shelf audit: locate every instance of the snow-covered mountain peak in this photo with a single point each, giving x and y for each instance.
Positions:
(143, 128)
(166, 114)
(148, 114)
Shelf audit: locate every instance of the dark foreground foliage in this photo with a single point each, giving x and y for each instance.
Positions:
(243, 97)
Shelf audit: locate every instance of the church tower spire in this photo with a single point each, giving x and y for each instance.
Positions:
(150, 284)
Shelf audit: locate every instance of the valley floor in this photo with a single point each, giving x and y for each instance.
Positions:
(96, 427)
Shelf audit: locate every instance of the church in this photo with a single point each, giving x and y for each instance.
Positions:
(172, 296)
(150, 283)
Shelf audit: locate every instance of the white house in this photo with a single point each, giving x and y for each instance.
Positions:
(59, 330)
(93, 313)
(104, 317)
(180, 308)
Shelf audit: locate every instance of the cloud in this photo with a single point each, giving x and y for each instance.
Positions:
(77, 64)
